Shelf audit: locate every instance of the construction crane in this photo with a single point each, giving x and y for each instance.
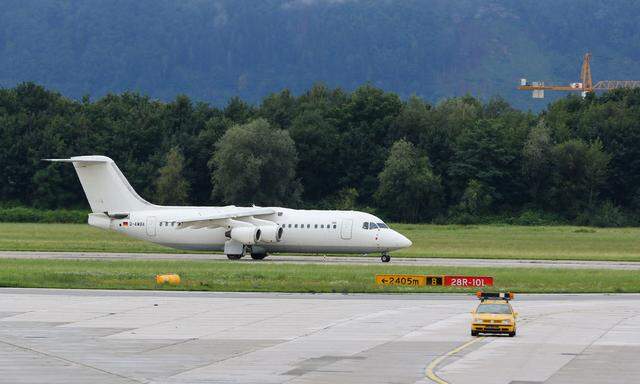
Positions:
(584, 86)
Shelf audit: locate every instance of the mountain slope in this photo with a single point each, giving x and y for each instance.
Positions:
(212, 50)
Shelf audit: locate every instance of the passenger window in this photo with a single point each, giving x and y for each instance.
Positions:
(315, 226)
(289, 225)
(365, 225)
(308, 225)
(161, 223)
(321, 225)
(295, 226)
(373, 226)
(335, 226)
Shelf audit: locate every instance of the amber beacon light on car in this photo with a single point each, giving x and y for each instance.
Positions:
(495, 296)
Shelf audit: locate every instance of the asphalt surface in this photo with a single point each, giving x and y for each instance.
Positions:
(81, 336)
(355, 260)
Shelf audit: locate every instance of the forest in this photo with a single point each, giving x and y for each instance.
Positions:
(461, 160)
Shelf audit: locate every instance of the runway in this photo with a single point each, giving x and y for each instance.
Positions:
(81, 336)
(356, 260)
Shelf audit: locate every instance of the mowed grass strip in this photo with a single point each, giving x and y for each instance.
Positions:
(518, 242)
(442, 241)
(70, 238)
(264, 277)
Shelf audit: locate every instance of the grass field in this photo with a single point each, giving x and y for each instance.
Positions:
(236, 276)
(482, 241)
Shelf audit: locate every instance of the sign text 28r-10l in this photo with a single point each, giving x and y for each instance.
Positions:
(468, 281)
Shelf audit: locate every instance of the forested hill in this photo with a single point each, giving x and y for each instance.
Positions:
(212, 50)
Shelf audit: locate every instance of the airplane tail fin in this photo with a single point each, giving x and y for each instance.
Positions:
(106, 187)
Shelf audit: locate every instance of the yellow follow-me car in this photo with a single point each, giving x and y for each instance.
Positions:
(494, 314)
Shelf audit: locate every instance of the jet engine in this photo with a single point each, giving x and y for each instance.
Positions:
(245, 235)
(270, 233)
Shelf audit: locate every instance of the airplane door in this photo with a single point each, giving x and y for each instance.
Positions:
(346, 229)
(151, 226)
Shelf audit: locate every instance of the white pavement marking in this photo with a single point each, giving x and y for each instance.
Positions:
(186, 337)
(355, 260)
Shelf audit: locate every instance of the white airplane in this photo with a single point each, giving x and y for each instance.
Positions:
(233, 230)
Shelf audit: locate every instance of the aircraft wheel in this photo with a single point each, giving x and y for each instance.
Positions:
(385, 258)
(258, 256)
(234, 257)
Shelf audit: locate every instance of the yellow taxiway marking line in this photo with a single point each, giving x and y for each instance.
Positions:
(434, 363)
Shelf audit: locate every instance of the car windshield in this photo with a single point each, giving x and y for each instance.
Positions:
(502, 309)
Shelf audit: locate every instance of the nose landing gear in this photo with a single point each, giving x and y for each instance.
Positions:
(385, 257)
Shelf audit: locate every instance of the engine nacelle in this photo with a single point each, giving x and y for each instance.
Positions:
(270, 233)
(99, 220)
(245, 235)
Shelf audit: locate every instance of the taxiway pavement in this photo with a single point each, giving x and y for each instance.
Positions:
(356, 260)
(82, 336)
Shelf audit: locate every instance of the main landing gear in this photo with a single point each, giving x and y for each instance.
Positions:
(254, 256)
(385, 257)
(237, 251)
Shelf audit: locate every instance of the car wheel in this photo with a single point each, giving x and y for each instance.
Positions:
(258, 256)
(234, 257)
(474, 333)
(511, 334)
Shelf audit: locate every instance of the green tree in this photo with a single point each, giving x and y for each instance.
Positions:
(317, 146)
(278, 108)
(412, 122)
(171, 186)
(489, 153)
(538, 162)
(368, 116)
(581, 170)
(475, 200)
(255, 164)
(408, 190)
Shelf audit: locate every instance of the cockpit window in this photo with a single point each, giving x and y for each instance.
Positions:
(382, 225)
(373, 226)
(365, 225)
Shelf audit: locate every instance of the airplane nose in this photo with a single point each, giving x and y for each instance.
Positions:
(404, 242)
(400, 241)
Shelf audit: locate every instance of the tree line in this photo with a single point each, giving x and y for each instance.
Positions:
(460, 160)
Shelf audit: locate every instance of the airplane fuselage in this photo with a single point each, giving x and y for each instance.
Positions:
(303, 231)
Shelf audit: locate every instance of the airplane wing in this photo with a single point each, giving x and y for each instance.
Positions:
(223, 218)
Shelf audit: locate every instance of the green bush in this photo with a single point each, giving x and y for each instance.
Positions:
(32, 215)
(606, 215)
(534, 217)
